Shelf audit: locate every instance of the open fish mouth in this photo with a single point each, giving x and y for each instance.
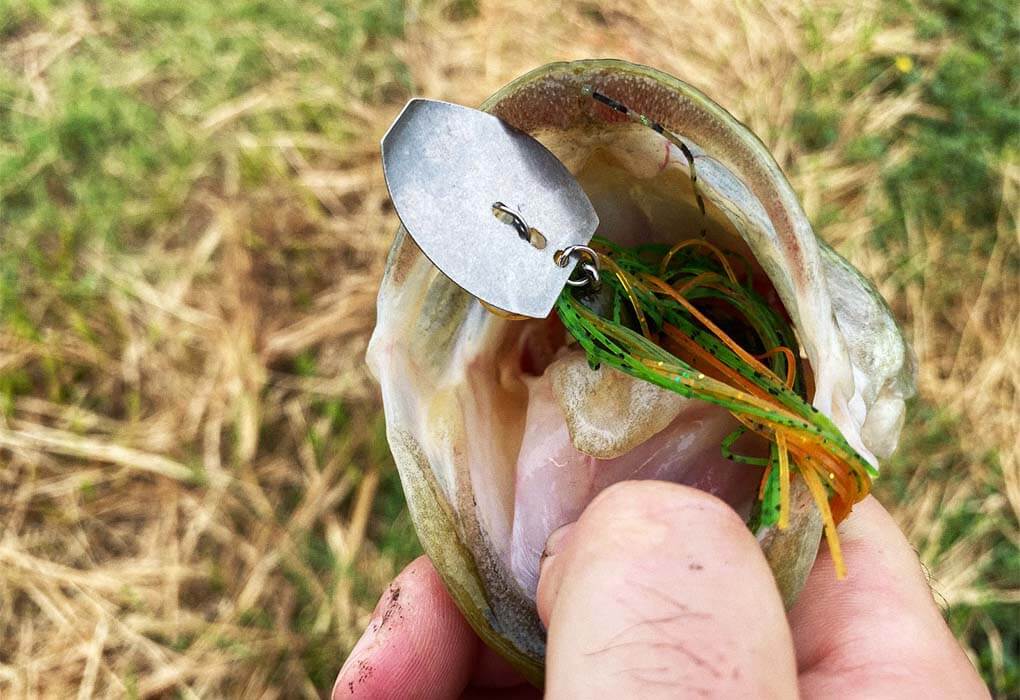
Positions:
(503, 431)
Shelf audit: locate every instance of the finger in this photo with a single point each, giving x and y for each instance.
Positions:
(521, 691)
(524, 691)
(494, 678)
(661, 590)
(493, 671)
(417, 644)
(877, 632)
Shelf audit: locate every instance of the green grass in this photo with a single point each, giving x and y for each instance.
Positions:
(125, 134)
(152, 107)
(953, 177)
(951, 185)
(934, 434)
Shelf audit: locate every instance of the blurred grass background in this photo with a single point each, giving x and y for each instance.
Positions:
(196, 497)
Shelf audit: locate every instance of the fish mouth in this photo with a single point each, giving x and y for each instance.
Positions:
(501, 431)
(551, 431)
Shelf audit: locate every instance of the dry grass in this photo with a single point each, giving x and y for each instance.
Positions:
(195, 497)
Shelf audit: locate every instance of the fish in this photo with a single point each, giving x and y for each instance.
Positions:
(502, 431)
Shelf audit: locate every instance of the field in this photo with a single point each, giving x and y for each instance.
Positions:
(196, 497)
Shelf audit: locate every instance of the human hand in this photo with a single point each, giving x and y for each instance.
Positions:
(661, 590)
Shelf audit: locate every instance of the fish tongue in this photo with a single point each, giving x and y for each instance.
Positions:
(555, 480)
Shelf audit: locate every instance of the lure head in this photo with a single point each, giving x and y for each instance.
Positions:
(501, 433)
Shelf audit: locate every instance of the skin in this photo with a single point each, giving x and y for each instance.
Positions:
(633, 610)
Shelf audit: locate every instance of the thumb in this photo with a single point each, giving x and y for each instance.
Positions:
(661, 590)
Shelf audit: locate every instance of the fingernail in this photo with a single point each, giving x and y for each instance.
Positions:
(558, 540)
(548, 580)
